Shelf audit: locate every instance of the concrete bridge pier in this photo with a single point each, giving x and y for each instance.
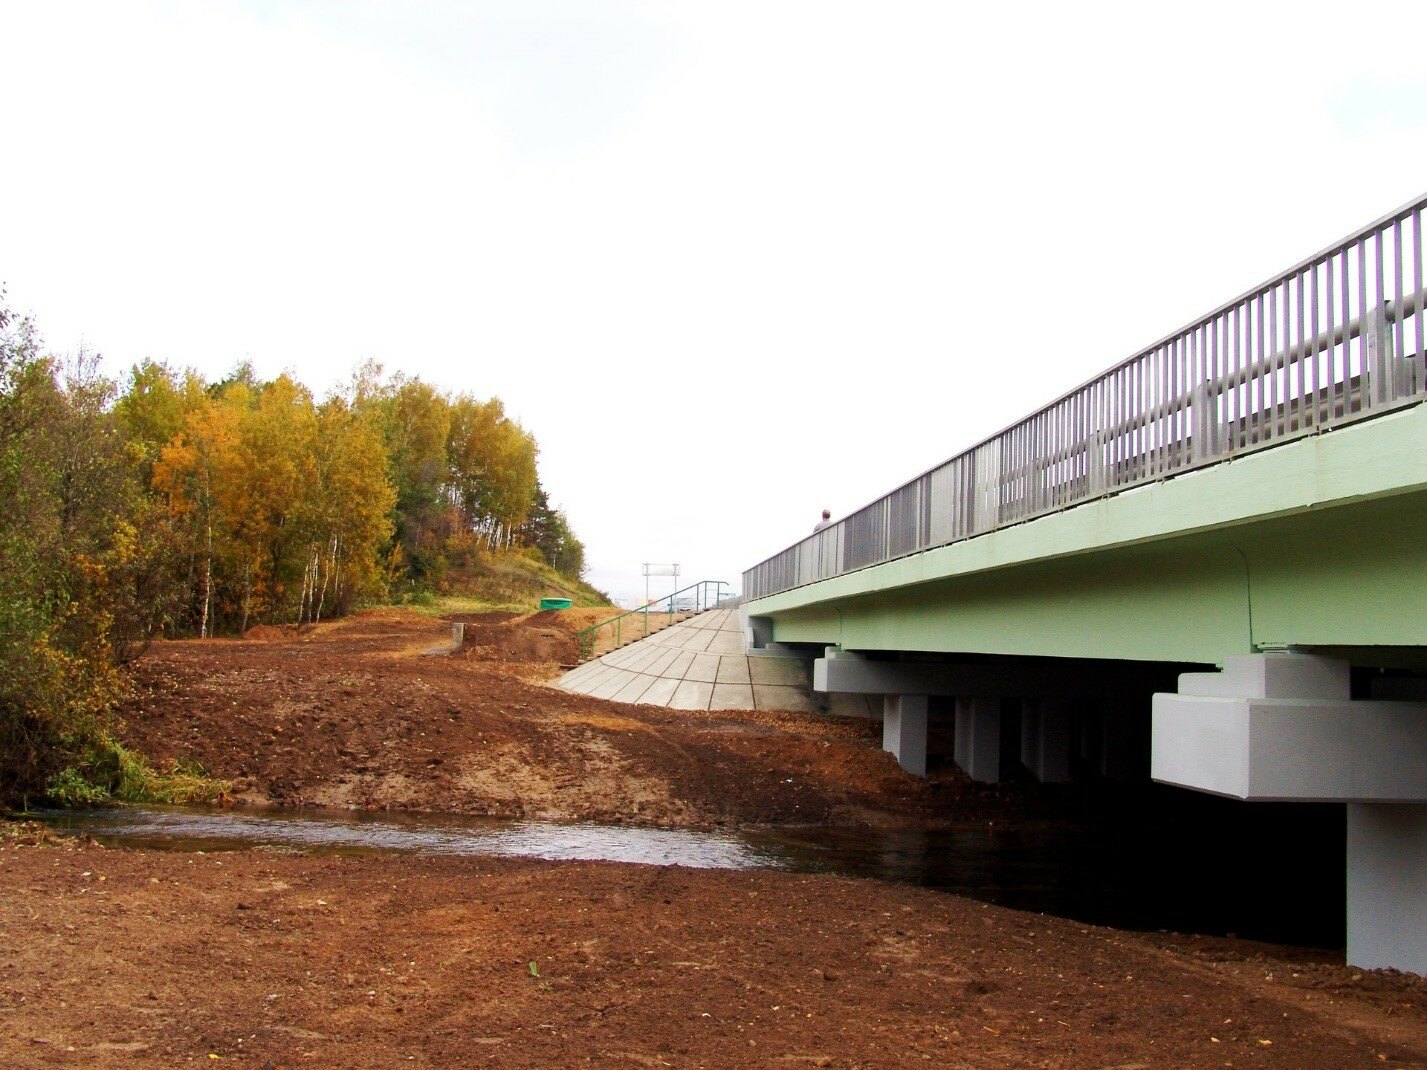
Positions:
(903, 687)
(1283, 726)
(1387, 886)
(978, 737)
(1122, 747)
(961, 736)
(1045, 739)
(904, 731)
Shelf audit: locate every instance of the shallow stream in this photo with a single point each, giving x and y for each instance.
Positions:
(1106, 876)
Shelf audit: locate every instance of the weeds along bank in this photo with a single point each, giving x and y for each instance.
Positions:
(169, 505)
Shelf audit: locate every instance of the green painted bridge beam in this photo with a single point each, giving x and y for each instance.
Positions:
(1317, 543)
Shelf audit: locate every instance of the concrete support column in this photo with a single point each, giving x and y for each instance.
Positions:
(1387, 872)
(978, 747)
(1045, 739)
(1030, 733)
(1119, 747)
(904, 731)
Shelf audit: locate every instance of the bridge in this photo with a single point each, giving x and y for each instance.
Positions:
(1207, 565)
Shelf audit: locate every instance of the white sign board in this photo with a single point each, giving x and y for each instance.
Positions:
(661, 570)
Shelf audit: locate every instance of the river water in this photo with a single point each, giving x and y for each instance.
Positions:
(1118, 875)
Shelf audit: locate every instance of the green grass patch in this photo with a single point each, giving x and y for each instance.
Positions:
(109, 772)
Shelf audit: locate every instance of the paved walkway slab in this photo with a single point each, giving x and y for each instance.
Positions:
(697, 664)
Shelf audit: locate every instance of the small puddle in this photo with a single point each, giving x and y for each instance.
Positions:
(1123, 880)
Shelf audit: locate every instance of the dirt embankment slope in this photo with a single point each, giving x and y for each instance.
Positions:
(352, 714)
(118, 958)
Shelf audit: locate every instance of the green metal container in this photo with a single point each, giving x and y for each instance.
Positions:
(554, 603)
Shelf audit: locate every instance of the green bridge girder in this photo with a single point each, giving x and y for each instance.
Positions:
(1318, 543)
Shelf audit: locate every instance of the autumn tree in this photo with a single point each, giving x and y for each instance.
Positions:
(414, 420)
(549, 531)
(347, 514)
(74, 569)
(186, 473)
(492, 469)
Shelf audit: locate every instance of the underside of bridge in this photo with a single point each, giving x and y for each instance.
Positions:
(1256, 630)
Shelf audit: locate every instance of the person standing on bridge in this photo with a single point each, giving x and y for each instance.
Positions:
(825, 522)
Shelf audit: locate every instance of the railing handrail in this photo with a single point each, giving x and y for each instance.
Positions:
(586, 636)
(1186, 363)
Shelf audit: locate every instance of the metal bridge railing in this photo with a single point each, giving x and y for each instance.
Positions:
(649, 618)
(1334, 339)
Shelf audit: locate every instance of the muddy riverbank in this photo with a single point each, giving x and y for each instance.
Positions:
(127, 958)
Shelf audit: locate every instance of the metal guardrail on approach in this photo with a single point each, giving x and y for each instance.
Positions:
(636, 623)
(1336, 338)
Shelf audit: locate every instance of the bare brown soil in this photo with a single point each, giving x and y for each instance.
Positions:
(131, 958)
(120, 958)
(352, 714)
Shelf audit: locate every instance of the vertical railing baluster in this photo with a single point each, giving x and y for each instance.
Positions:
(1160, 408)
(1161, 405)
(1144, 402)
(1119, 434)
(1285, 357)
(1383, 390)
(1179, 390)
(1311, 410)
(1422, 300)
(1199, 383)
(1276, 388)
(1364, 372)
(1261, 384)
(1138, 454)
(1331, 403)
(1124, 433)
(1137, 406)
(1298, 348)
(1217, 403)
(1243, 354)
(1345, 294)
(1399, 328)
(1152, 429)
(1233, 401)
(1016, 492)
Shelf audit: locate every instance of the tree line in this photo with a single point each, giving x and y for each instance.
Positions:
(279, 507)
(168, 504)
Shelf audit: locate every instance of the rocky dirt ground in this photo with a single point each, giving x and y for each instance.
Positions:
(353, 714)
(131, 958)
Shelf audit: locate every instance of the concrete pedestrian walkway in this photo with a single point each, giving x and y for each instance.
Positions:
(697, 664)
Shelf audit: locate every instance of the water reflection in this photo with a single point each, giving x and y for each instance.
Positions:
(1206, 876)
(177, 828)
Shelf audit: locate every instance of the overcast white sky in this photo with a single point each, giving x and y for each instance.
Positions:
(729, 262)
